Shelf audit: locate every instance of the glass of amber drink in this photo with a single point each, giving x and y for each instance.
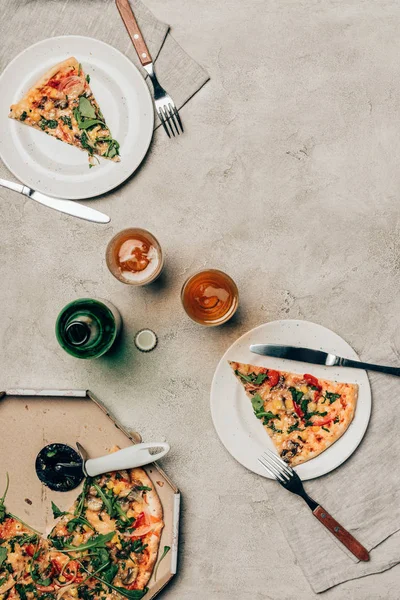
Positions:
(210, 297)
(134, 256)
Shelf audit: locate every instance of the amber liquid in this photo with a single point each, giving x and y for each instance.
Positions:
(210, 297)
(134, 256)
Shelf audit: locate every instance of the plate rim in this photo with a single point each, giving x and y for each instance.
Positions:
(223, 359)
(124, 175)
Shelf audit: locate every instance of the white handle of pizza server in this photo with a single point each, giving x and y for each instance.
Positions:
(127, 458)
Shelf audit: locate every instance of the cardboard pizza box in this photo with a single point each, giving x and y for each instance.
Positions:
(31, 419)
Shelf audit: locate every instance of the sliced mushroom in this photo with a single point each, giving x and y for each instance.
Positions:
(129, 575)
(124, 493)
(124, 504)
(136, 495)
(61, 103)
(94, 503)
(290, 451)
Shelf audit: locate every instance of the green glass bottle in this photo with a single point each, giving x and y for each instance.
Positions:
(87, 328)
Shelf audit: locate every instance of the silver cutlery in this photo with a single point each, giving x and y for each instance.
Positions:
(165, 106)
(68, 207)
(318, 357)
(284, 474)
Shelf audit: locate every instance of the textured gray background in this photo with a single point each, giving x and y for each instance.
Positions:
(288, 178)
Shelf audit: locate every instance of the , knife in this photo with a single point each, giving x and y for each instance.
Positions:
(318, 357)
(65, 206)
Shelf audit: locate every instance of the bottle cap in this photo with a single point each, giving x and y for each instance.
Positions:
(145, 340)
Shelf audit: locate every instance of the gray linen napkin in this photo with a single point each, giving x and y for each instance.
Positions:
(363, 495)
(179, 74)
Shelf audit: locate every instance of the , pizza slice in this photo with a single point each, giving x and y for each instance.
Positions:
(62, 105)
(303, 415)
(118, 519)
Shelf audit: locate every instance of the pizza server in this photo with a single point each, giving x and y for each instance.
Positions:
(62, 468)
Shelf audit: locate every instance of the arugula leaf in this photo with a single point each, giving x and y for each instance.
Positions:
(336, 420)
(107, 500)
(50, 124)
(86, 109)
(248, 378)
(143, 488)
(326, 429)
(85, 143)
(164, 554)
(261, 377)
(113, 149)
(272, 426)
(23, 116)
(77, 521)
(66, 120)
(98, 541)
(296, 395)
(303, 405)
(3, 555)
(124, 525)
(3, 580)
(81, 498)
(88, 78)
(56, 511)
(2, 506)
(315, 413)
(294, 427)
(257, 402)
(331, 397)
(267, 415)
(21, 591)
(110, 572)
(36, 576)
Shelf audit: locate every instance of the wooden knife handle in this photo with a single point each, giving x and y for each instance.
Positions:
(341, 534)
(125, 10)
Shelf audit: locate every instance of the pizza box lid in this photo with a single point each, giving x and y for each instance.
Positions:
(31, 419)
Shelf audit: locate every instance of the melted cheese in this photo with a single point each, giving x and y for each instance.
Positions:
(105, 525)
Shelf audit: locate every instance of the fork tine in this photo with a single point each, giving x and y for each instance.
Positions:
(178, 117)
(271, 468)
(279, 463)
(273, 465)
(162, 119)
(167, 119)
(266, 468)
(172, 116)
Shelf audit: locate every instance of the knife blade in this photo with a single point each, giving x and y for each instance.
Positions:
(318, 357)
(68, 207)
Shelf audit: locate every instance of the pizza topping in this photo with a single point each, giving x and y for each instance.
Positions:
(48, 124)
(72, 86)
(330, 397)
(312, 381)
(129, 575)
(290, 451)
(2, 500)
(273, 378)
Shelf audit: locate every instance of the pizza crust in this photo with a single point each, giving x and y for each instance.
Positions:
(153, 539)
(66, 65)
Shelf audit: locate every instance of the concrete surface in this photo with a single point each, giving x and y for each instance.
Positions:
(288, 178)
